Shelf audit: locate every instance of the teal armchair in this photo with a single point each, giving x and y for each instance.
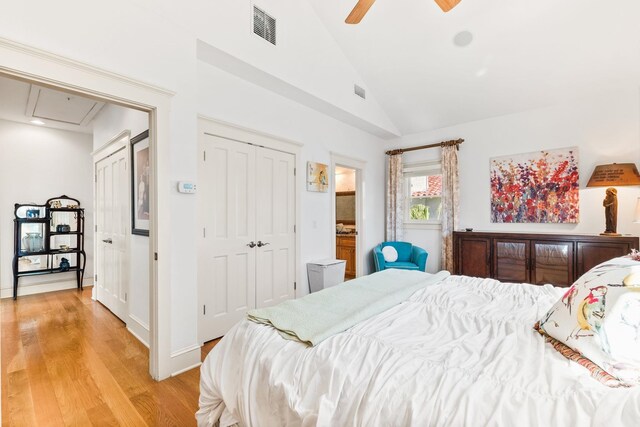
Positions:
(409, 257)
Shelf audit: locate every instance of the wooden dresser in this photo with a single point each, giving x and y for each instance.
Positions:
(558, 259)
(346, 250)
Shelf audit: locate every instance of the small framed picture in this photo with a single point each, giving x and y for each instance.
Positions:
(317, 178)
(140, 180)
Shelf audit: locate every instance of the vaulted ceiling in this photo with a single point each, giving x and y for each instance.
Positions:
(523, 54)
(415, 62)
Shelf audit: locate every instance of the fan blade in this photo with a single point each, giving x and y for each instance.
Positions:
(358, 12)
(447, 5)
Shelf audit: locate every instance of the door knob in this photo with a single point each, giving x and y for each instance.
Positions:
(108, 241)
(251, 244)
(260, 244)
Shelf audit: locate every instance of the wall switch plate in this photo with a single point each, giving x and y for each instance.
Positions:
(186, 187)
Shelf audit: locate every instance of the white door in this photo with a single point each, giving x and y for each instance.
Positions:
(245, 196)
(275, 219)
(112, 224)
(226, 255)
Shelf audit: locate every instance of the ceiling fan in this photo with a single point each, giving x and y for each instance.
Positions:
(362, 7)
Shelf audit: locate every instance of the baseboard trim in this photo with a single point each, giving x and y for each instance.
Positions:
(39, 288)
(139, 330)
(142, 324)
(186, 359)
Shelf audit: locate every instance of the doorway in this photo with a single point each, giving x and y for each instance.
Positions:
(82, 234)
(347, 212)
(346, 224)
(24, 63)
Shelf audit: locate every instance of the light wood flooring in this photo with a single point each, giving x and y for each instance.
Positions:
(67, 360)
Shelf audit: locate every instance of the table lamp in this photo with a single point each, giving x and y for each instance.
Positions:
(614, 174)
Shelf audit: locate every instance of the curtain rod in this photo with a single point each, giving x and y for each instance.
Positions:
(455, 142)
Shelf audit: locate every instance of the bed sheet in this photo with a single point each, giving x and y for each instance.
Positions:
(459, 352)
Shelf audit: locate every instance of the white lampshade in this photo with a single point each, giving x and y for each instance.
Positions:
(636, 216)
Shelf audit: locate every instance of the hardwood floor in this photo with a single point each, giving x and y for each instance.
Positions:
(67, 360)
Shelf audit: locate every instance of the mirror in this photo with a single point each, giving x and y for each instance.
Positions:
(346, 207)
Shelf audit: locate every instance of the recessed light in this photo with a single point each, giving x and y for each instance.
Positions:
(37, 122)
(463, 38)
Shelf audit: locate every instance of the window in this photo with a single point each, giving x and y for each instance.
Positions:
(423, 193)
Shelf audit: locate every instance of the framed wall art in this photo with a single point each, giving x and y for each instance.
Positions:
(317, 178)
(538, 187)
(140, 180)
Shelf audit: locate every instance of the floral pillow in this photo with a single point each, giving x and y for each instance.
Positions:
(599, 317)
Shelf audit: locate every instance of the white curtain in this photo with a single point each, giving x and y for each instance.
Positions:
(395, 199)
(450, 203)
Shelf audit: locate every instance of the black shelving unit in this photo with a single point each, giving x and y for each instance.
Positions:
(36, 230)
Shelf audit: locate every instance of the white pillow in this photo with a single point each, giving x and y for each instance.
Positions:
(390, 254)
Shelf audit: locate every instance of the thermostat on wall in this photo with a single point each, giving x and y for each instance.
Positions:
(186, 187)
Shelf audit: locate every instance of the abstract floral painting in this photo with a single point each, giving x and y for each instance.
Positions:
(539, 187)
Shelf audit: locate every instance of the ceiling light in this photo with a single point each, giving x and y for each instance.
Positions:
(463, 38)
(37, 122)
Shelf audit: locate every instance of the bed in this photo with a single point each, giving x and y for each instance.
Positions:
(461, 351)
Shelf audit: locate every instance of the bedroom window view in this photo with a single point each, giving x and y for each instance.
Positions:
(422, 185)
(425, 198)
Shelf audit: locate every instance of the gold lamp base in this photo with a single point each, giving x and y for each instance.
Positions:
(611, 234)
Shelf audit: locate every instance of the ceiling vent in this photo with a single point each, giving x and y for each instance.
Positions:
(264, 25)
(360, 91)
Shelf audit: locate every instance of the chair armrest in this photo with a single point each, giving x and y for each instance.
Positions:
(378, 259)
(419, 257)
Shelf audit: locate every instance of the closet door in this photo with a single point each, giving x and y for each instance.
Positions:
(112, 225)
(226, 255)
(275, 222)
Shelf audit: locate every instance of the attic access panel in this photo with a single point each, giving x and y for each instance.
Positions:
(47, 104)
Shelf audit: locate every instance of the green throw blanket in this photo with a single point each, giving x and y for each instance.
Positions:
(320, 315)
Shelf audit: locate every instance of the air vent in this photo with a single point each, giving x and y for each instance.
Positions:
(264, 25)
(359, 91)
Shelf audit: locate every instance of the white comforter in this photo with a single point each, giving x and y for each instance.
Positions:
(460, 352)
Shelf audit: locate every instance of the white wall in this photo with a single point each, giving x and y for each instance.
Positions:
(346, 181)
(306, 56)
(37, 164)
(228, 98)
(110, 122)
(113, 119)
(606, 129)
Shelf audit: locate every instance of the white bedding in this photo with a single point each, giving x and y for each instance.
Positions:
(460, 352)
